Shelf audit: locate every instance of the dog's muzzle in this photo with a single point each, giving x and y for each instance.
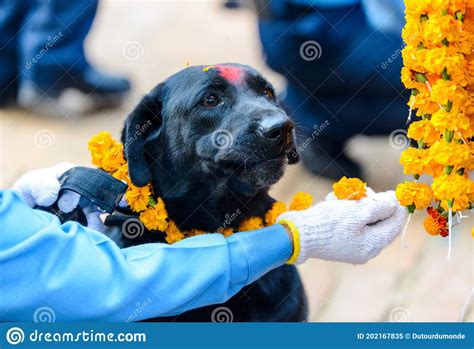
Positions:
(275, 132)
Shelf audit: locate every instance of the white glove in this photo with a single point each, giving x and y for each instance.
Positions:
(351, 231)
(41, 188)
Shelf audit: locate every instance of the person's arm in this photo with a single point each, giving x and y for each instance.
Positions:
(82, 275)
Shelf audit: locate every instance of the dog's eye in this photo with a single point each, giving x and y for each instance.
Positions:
(211, 101)
(268, 93)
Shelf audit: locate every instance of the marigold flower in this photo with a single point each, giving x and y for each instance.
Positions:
(449, 154)
(301, 201)
(423, 103)
(122, 174)
(408, 79)
(113, 159)
(435, 58)
(451, 121)
(227, 231)
(155, 218)
(449, 187)
(414, 9)
(418, 194)
(470, 190)
(173, 234)
(435, 223)
(414, 58)
(272, 214)
(349, 189)
(411, 33)
(251, 223)
(99, 146)
(447, 91)
(423, 130)
(439, 29)
(414, 161)
(460, 203)
(433, 168)
(194, 232)
(138, 197)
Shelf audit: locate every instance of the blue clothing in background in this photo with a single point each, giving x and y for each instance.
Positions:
(41, 42)
(82, 275)
(355, 83)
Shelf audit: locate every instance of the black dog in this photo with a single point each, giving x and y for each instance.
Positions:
(212, 140)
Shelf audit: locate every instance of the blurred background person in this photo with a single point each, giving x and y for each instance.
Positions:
(342, 61)
(44, 66)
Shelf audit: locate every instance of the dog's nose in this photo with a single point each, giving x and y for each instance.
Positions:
(276, 129)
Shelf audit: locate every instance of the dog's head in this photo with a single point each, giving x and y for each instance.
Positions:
(221, 121)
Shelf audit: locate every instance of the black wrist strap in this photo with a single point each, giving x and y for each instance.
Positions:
(95, 185)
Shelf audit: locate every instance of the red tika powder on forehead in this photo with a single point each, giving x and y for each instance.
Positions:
(231, 74)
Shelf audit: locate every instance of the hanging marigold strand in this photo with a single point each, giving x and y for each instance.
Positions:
(439, 71)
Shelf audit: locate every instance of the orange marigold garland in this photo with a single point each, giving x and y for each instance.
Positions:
(107, 154)
(439, 70)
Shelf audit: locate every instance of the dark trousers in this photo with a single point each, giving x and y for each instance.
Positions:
(41, 41)
(353, 87)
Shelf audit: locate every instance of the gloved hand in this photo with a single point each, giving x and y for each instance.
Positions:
(351, 231)
(41, 188)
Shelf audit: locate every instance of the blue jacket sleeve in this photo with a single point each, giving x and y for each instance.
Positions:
(80, 274)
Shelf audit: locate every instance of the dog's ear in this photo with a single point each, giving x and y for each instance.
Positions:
(143, 123)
